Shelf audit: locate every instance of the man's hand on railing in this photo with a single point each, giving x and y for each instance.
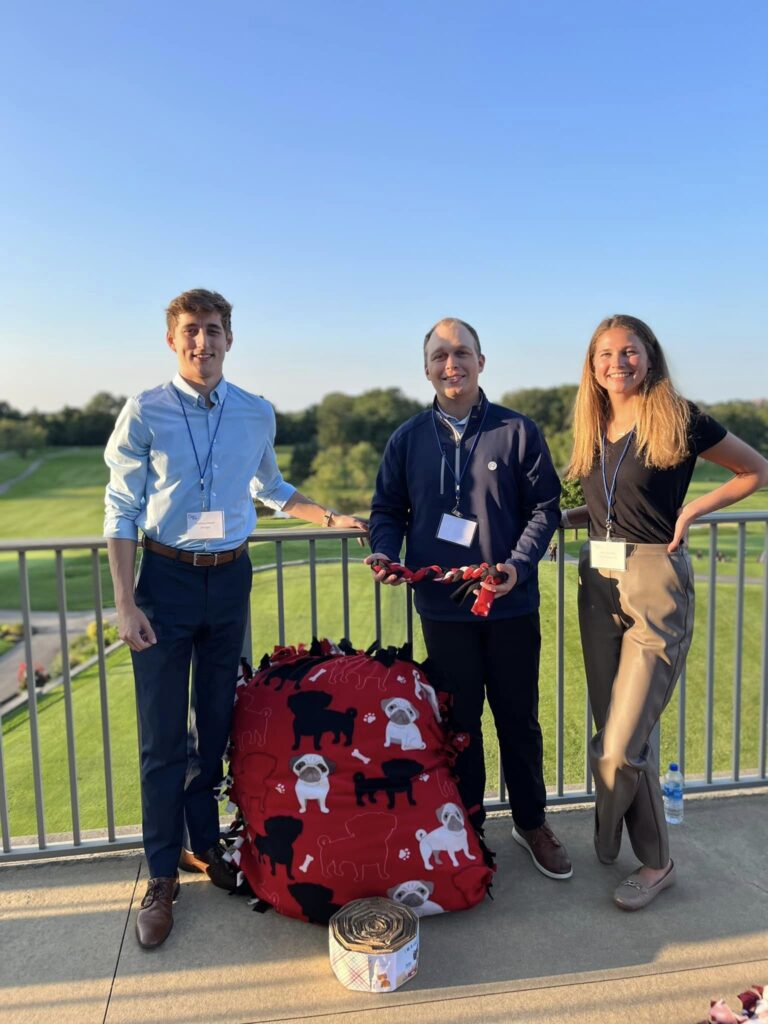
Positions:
(134, 628)
(342, 522)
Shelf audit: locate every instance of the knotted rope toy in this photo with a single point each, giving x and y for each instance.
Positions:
(467, 575)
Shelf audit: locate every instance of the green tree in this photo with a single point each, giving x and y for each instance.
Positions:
(104, 404)
(551, 408)
(572, 495)
(344, 477)
(296, 427)
(20, 436)
(345, 419)
(747, 420)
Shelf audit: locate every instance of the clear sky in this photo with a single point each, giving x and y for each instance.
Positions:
(347, 173)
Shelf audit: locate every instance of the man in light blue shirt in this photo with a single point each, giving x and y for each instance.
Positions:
(186, 460)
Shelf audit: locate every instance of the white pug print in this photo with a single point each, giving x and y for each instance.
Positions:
(450, 837)
(312, 773)
(416, 895)
(401, 724)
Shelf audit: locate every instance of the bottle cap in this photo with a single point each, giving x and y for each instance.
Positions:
(674, 766)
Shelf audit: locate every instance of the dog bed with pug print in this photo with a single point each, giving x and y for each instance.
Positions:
(340, 766)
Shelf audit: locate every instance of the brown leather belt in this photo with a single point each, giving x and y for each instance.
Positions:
(203, 559)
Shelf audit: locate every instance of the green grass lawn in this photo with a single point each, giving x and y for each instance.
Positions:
(264, 618)
(12, 465)
(65, 498)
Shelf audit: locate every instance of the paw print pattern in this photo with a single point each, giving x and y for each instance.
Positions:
(369, 718)
(424, 777)
(280, 787)
(404, 854)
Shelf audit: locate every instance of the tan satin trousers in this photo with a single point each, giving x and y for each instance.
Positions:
(636, 628)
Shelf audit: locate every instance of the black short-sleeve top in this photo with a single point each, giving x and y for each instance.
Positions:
(646, 500)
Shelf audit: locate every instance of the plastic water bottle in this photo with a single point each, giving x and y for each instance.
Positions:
(672, 789)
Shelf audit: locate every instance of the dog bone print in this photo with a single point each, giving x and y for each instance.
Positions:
(361, 757)
(307, 861)
(316, 676)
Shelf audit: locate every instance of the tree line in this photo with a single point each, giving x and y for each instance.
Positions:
(336, 444)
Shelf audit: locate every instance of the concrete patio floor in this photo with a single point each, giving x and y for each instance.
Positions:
(541, 950)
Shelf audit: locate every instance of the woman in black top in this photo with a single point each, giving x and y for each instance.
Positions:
(636, 441)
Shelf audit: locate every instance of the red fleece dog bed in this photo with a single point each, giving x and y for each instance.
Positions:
(340, 766)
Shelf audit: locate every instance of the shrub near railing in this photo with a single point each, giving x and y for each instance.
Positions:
(86, 646)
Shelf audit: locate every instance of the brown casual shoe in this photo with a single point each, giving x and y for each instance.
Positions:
(155, 918)
(547, 852)
(223, 873)
(633, 895)
(188, 861)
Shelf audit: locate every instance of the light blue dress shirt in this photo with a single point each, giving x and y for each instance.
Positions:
(154, 475)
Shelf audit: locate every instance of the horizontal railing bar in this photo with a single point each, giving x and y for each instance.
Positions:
(87, 846)
(310, 533)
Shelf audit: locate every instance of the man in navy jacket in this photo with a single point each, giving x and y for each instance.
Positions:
(465, 482)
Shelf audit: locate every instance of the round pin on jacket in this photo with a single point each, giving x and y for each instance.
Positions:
(491, 465)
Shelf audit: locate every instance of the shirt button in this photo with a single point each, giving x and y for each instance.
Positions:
(215, 465)
(213, 494)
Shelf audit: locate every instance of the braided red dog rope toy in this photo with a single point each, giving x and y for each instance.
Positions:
(468, 575)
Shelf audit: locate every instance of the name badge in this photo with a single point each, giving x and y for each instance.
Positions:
(456, 530)
(205, 525)
(608, 554)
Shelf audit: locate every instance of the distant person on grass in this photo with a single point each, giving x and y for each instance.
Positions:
(466, 482)
(636, 441)
(186, 459)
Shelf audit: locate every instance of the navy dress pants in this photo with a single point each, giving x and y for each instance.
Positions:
(499, 657)
(196, 613)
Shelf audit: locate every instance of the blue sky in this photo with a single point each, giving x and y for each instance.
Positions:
(348, 173)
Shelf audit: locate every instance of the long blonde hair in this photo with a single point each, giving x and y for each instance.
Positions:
(663, 416)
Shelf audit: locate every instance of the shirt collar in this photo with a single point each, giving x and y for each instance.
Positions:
(217, 396)
(473, 413)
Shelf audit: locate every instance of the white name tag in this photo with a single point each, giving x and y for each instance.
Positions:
(205, 525)
(456, 530)
(608, 554)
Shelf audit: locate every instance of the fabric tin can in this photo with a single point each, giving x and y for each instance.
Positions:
(374, 944)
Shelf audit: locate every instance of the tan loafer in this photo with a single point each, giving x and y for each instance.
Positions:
(633, 895)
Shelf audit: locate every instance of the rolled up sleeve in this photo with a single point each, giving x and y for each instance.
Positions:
(127, 456)
(268, 484)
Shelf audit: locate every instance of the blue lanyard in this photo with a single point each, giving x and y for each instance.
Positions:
(201, 469)
(609, 494)
(460, 477)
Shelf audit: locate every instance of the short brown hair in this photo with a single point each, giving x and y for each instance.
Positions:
(200, 300)
(453, 320)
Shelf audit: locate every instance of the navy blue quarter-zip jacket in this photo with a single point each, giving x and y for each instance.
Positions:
(508, 486)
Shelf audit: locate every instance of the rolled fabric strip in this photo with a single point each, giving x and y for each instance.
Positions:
(467, 575)
(374, 944)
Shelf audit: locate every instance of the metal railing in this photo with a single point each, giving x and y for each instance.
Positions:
(335, 617)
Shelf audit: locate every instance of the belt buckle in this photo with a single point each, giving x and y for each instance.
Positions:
(205, 554)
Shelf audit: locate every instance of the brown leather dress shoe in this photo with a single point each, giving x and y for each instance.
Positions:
(155, 918)
(222, 873)
(547, 852)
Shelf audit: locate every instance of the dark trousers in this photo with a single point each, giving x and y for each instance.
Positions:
(501, 658)
(193, 611)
